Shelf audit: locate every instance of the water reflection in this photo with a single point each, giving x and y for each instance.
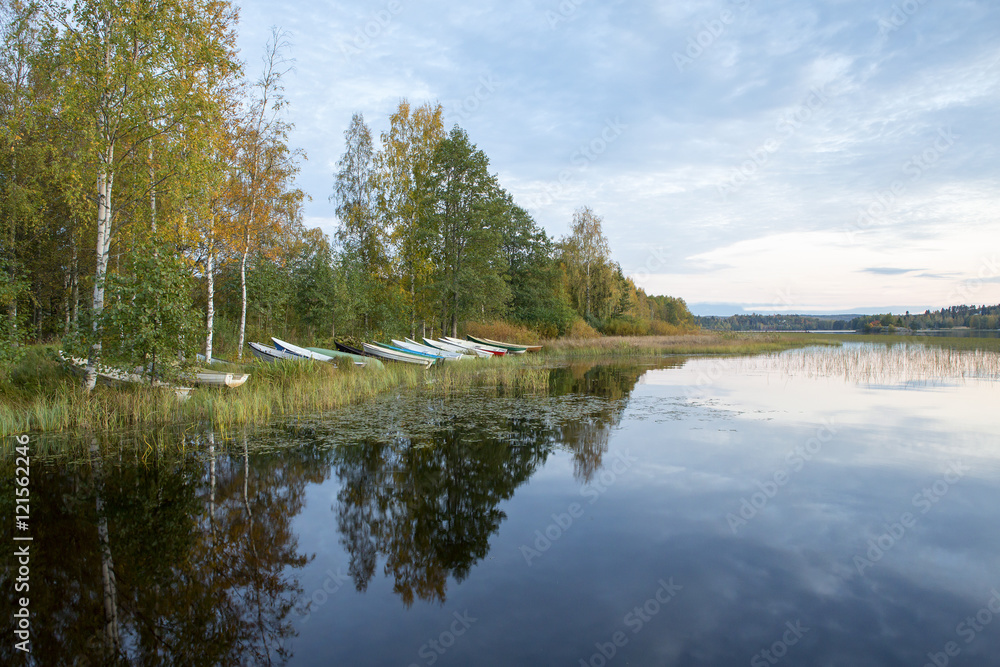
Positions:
(588, 438)
(427, 504)
(182, 551)
(170, 559)
(428, 511)
(211, 550)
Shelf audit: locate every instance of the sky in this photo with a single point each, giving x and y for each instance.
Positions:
(778, 156)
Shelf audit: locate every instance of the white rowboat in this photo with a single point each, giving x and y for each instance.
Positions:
(270, 354)
(395, 355)
(449, 347)
(216, 379)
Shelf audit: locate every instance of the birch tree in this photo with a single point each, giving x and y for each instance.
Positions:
(402, 168)
(361, 235)
(130, 66)
(266, 167)
(587, 254)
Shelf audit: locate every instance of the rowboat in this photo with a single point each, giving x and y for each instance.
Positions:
(115, 377)
(270, 354)
(393, 346)
(319, 354)
(300, 351)
(510, 347)
(396, 355)
(495, 351)
(216, 379)
(412, 345)
(215, 358)
(344, 347)
(358, 359)
(449, 347)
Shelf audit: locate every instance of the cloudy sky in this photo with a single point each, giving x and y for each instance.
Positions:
(788, 155)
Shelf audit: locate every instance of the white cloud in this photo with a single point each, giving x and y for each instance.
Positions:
(657, 185)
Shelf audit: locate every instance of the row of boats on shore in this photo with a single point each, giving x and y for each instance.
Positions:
(408, 351)
(426, 354)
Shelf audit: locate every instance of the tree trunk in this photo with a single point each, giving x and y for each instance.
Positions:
(67, 286)
(76, 287)
(109, 586)
(105, 181)
(211, 477)
(75, 297)
(152, 191)
(243, 303)
(12, 266)
(413, 304)
(210, 314)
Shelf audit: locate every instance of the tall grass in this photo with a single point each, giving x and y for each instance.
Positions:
(699, 343)
(950, 342)
(273, 390)
(871, 363)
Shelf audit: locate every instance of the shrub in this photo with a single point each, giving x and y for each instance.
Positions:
(580, 329)
(626, 326)
(504, 331)
(660, 328)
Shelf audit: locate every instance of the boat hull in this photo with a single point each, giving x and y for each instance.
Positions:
(389, 354)
(414, 346)
(358, 359)
(450, 347)
(231, 380)
(510, 347)
(495, 351)
(300, 351)
(270, 354)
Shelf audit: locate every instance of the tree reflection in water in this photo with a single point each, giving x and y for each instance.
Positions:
(189, 558)
(428, 502)
(143, 559)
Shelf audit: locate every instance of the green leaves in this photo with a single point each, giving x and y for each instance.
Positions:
(149, 319)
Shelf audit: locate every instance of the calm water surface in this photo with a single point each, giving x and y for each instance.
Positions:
(693, 511)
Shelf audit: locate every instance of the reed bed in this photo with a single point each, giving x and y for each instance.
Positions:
(951, 342)
(701, 343)
(878, 363)
(273, 391)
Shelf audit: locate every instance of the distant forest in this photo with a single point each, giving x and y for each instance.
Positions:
(973, 317)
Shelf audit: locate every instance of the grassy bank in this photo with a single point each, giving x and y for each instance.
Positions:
(947, 342)
(700, 343)
(43, 396)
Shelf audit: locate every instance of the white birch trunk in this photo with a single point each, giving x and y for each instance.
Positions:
(243, 306)
(210, 314)
(105, 181)
(109, 585)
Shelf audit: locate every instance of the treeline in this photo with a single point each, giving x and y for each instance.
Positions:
(429, 238)
(756, 322)
(973, 317)
(148, 201)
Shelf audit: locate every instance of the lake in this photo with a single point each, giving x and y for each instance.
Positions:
(827, 506)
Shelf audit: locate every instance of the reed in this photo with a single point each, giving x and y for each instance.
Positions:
(273, 391)
(883, 364)
(949, 342)
(689, 344)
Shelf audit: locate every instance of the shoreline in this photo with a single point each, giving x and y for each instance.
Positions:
(50, 400)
